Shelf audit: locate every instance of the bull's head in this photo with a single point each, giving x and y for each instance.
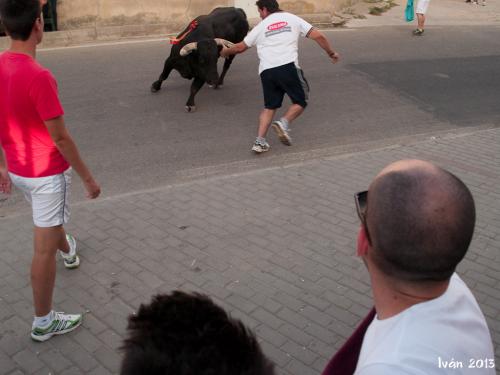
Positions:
(207, 54)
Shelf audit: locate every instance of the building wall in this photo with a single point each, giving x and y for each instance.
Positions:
(76, 14)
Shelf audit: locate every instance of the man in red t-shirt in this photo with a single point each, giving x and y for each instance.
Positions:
(37, 155)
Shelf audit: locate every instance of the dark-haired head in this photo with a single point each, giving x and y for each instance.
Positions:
(272, 6)
(186, 334)
(420, 219)
(19, 17)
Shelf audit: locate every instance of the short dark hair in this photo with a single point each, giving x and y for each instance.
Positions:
(185, 334)
(420, 223)
(272, 6)
(19, 16)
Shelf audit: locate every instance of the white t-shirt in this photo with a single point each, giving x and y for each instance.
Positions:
(276, 37)
(431, 337)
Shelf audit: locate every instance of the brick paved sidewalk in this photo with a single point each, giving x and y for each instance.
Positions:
(273, 246)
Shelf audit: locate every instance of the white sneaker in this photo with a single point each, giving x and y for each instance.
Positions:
(60, 324)
(260, 147)
(282, 133)
(71, 259)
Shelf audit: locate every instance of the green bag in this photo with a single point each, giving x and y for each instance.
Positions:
(409, 13)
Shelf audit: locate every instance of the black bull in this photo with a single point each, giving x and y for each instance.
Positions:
(196, 54)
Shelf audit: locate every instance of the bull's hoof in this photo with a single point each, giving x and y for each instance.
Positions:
(155, 87)
(190, 108)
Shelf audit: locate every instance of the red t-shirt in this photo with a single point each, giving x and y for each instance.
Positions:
(28, 97)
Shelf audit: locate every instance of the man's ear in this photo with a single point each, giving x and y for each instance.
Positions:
(38, 25)
(363, 244)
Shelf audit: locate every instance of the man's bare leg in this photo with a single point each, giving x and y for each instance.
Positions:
(282, 126)
(293, 112)
(43, 266)
(421, 20)
(265, 118)
(63, 244)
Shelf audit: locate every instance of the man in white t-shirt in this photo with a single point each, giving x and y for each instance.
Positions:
(417, 222)
(276, 38)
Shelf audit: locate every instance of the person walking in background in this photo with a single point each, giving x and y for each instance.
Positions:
(417, 221)
(421, 10)
(276, 38)
(37, 155)
(186, 334)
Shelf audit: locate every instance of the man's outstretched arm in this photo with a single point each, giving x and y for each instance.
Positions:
(234, 50)
(320, 38)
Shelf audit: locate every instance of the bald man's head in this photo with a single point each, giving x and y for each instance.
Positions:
(420, 219)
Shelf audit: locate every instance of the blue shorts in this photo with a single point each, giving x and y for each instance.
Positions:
(281, 80)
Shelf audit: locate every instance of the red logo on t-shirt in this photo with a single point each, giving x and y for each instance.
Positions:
(277, 26)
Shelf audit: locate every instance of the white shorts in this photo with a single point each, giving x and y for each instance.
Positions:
(48, 197)
(422, 6)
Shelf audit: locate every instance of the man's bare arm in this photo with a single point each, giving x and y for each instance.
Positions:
(68, 149)
(323, 42)
(234, 50)
(5, 183)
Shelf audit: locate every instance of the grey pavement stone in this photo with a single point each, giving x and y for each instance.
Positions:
(288, 271)
(72, 371)
(83, 360)
(109, 358)
(87, 340)
(322, 333)
(270, 335)
(279, 357)
(28, 361)
(111, 339)
(55, 360)
(7, 364)
(100, 371)
(296, 335)
(297, 367)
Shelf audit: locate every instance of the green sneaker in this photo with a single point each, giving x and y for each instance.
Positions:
(62, 323)
(71, 259)
(418, 32)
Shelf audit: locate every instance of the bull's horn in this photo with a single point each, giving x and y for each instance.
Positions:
(188, 48)
(224, 42)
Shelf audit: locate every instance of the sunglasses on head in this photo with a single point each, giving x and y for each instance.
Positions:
(361, 200)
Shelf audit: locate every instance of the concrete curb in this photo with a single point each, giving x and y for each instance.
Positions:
(97, 34)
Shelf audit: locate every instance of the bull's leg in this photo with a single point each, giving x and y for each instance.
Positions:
(225, 68)
(167, 68)
(195, 87)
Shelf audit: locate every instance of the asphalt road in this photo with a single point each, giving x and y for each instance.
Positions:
(389, 88)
